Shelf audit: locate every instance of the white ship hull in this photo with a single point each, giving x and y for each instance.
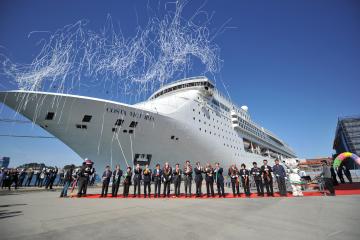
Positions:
(172, 129)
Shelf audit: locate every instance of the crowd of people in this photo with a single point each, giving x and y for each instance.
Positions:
(47, 177)
(260, 177)
(214, 176)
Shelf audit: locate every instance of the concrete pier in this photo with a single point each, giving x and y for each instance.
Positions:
(42, 215)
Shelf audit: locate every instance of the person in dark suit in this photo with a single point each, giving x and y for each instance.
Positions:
(147, 181)
(167, 177)
(198, 179)
(157, 175)
(187, 178)
(85, 172)
(127, 181)
(219, 178)
(177, 179)
(106, 180)
(280, 174)
(333, 175)
(256, 173)
(209, 179)
(267, 177)
(234, 176)
(116, 178)
(137, 179)
(245, 179)
(52, 177)
(340, 173)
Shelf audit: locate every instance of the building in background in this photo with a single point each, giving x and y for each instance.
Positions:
(4, 162)
(347, 138)
(314, 164)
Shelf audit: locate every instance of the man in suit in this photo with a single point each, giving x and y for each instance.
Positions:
(187, 178)
(167, 177)
(106, 180)
(209, 180)
(267, 177)
(280, 174)
(198, 179)
(245, 179)
(116, 178)
(177, 179)
(234, 176)
(147, 181)
(340, 173)
(137, 179)
(256, 173)
(333, 175)
(157, 175)
(84, 174)
(127, 182)
(219, 178)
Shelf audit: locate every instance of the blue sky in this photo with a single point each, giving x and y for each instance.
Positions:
(295, 64)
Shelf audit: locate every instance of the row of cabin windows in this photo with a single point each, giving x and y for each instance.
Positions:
(221, 123)
(51, 115)
(226, 145)
(228, 132)
(131, 131)
(87, 119)
(245, 125)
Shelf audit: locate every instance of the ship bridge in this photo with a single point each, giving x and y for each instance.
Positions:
(198, 82)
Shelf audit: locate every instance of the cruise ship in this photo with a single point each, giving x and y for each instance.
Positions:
(184, 120)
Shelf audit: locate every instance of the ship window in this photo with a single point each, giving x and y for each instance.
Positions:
(172, 137)
(125, 131)
(131, 131)
(119, 122)
(50, 116)
(81, 126)
(133, 125)
(177, 139)
(87, 118)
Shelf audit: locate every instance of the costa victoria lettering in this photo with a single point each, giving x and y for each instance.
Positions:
(131, 113)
